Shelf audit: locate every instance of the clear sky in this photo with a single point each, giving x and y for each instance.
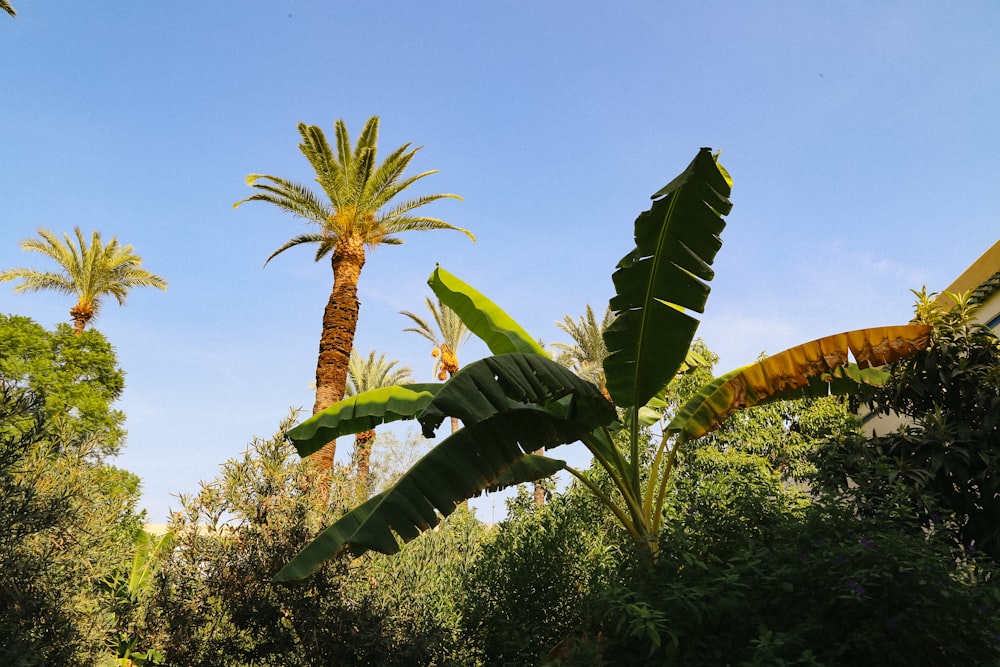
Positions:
(862, 138)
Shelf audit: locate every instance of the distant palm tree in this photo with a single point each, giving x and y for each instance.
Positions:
(354, 215)
(446, 335)
(585, 356)
(4, 5)
(365, 374)
(89, 272)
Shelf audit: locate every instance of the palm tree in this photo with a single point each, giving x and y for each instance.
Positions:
(447, 335)
(453, 333)
(585, 356)
(89, 272)
(353, 214)
(4, 5)
(365, 374)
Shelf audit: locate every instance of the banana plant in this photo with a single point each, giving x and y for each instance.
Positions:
(519, 401)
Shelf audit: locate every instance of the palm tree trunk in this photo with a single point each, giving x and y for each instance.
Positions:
(340, 321)
(81, 314)
(539, 489)
(363, 454)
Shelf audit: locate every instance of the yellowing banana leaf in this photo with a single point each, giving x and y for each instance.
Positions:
(462, 466)
(500, 383)
(362, 412)
(664, 276)
(484, 318)
(811, 369)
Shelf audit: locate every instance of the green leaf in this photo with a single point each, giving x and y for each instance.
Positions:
(664, 276)
(484, 318)
(530, 468)
(462, 466)
(361, 413)
(503, 382)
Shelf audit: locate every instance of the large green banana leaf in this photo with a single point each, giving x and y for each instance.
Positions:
(461, 467)
(499, 383)
(812, 369)
(665, 275)
(361, 412)
(482, 317)
(529, 468)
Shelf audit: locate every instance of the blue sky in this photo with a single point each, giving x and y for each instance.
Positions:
(862, 139)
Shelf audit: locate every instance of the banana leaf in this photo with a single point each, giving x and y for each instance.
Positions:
(462, 466)
(664, 276)
(812, 369)
(362, 412)
(503, 382)
(484, 318)
(530, 468)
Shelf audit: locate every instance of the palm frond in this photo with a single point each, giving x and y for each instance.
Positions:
(298, 240)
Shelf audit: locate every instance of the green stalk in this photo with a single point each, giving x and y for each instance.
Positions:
(663, 481)
(618, 477)
(607, 502)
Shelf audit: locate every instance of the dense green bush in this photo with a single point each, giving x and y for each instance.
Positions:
(527, 592)
(216, 605)
(68, 519)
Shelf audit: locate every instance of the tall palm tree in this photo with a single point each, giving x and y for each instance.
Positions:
(446, 335)
(365, 374)
(585, 356)
(353, 214)
(89, 272)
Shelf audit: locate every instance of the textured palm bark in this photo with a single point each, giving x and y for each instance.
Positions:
(363, 455)
(81, 314)
(340, 321)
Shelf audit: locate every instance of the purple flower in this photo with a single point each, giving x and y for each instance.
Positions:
(855, 587)
(865, 542)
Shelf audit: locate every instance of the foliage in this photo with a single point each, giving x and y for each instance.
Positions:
(214, 603)
(818, 587)
(941, 463)
(585, 356)
(77, 377)
(447, 336)
(67, 519)
(359, 209)
(518, 401)
(528, 591)
(89, 272)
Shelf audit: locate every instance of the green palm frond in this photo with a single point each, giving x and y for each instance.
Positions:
(299, 240)
(374, 372)
(89, 271)
(421, 224)
(292, 197)
(585, 356)
(6, 6)
(357, 189)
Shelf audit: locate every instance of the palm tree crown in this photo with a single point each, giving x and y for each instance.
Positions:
(446, 335)
(371, 372)
(365, 374)
(355, 212)
(88, 272)
(585, 356)
(6, 6)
